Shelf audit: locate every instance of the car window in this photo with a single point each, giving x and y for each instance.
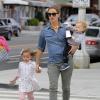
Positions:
(96, 24)
(9, 21)
(91, 17)
(5, 21)
(92, 32)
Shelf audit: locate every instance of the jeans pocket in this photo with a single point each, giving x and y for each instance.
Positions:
(64, 66)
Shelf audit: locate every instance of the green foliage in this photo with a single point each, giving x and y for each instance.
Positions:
(32, 22)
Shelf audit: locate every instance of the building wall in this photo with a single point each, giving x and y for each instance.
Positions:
(0, 4)
(1, 9)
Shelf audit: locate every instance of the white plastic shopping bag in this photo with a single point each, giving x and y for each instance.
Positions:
(81, 58)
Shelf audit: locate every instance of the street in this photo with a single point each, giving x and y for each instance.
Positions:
(84, 85)
(27, 39)
(20, 24)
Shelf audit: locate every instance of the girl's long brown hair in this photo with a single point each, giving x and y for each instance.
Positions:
(32, 53)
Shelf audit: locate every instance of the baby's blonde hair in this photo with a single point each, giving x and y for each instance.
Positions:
(83, 23)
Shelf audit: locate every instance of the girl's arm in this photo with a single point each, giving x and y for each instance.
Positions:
(14, 80)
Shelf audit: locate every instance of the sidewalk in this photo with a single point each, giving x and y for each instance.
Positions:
(85, 82)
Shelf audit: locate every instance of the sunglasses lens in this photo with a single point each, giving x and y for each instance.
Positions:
(53, 14)
(49, 14)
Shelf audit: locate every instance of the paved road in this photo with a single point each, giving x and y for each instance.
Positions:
(13, 95)
(85, 82)
(12, 63)
(27, 39)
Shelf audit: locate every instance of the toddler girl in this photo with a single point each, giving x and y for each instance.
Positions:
(27, 81)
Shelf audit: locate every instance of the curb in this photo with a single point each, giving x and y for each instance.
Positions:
(8, 86)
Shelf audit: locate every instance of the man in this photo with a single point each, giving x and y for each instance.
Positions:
(54, 37)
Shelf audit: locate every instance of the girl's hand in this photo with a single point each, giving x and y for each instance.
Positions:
(12, 82)
(38, 69)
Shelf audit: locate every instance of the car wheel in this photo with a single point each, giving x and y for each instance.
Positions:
(18, 33)
(8, 36)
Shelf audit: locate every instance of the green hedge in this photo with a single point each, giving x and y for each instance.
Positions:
(32, 22)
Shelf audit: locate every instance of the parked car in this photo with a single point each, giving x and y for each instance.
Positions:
(92, 41)
(16, 28)
(5, 31)
(96, 23)
(89, 18)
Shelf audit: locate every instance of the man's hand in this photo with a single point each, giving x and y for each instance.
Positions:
(73, 49)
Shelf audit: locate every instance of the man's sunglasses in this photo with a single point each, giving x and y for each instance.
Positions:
(53, 14)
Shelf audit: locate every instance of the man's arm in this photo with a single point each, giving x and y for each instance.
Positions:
(38, 56)
(40, 50)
